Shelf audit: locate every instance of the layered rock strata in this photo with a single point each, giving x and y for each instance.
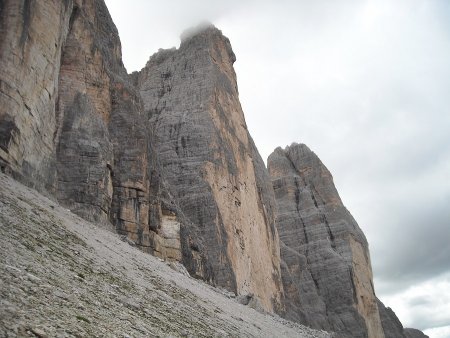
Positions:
(326, 268)
(212, 167)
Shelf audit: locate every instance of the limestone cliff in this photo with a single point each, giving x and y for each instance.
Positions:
(325, 267)
(71, 122)
(164, 158)
(326, 273)
(211, 165)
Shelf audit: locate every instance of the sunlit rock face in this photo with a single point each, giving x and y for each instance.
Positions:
(212, 167)
(326, 269)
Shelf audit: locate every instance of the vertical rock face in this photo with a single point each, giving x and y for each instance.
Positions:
(326, 268)
(103, 148)
(164, 157)
(211, 165)
(31, 35)
(84, 151)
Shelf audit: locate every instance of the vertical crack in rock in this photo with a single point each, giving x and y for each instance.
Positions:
(330, 233)
(26, 15)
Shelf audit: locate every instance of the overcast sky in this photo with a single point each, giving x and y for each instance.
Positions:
(366, 85)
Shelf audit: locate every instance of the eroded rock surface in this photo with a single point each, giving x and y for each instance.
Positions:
(212, 167)
(326, 269)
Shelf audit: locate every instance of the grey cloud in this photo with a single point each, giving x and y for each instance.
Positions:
(420, 301)
(414, 251)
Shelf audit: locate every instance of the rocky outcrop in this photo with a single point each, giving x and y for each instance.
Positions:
(84, 148)
(414, 333)
(212, 167)
(392, 327)
(326, 272)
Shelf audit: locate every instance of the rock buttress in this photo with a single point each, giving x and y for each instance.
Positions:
(212, 167)
(326, 268)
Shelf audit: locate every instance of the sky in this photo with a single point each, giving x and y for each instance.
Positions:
(366, 85)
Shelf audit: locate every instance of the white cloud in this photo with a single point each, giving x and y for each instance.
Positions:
(438, 332)
(423, 306)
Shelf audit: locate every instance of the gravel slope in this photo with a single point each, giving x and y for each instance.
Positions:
(61, 276)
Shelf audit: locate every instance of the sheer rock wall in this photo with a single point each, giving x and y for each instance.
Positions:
(212, 167)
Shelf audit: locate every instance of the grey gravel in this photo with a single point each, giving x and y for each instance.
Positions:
(61, 276)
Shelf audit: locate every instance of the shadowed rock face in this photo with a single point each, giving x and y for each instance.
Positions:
(212, 167)
(326, 269)
(106, 167)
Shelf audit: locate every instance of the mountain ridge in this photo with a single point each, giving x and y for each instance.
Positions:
(163, 157)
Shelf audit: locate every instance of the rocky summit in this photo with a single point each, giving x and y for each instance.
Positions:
(160, 163)
(327, 275)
